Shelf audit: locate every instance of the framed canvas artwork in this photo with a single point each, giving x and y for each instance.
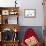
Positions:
(5, 12)
(30, 13)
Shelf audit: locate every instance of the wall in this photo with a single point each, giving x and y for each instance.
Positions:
(31, 4)
(27, 4)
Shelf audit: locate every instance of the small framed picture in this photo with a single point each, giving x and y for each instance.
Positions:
(5, 12)
(30, 13)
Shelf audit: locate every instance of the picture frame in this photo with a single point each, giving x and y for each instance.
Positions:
(5, 12)
(30, 13)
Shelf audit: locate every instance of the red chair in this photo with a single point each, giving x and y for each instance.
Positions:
(29, 33)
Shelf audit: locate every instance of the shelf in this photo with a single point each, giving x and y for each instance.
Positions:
(5, 8)
(10, 26)
(10, 19)
(11, 41)
(9, 10)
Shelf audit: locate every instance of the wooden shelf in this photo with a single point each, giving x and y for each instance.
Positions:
(4, 13)
(11, 26)
(5, 8)
(9, 42)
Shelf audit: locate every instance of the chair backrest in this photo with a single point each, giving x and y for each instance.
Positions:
(29, 32)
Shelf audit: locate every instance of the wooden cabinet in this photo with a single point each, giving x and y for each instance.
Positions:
(6, 24)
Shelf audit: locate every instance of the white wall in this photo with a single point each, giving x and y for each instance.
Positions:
(7, 3)
(32, 4)
(27, 4)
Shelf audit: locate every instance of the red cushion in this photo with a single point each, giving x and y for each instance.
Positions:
(29, 33)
